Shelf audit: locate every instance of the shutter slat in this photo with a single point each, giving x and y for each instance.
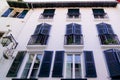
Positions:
(58, 64)
(46, 64)
(89, 64)
(16, 64)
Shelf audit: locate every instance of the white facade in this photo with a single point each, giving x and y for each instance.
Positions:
(22, 29)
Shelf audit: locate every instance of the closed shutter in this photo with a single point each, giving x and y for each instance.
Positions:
(45, 29)
(89, 64)
(9, 10)
(58, 64)
(112, 63)
(46, 64)
(22, 14)
(16, 64)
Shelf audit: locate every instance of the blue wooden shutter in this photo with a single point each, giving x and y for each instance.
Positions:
(69, 29)
(48, 12)
(89, 64)
(58, 64)
(77, 29)
(16, 64)
(22, 14)
(104, 28)
(6, 13)
(112, 63)
(73, 12)
(46, 64)
(45, 29)
(98, 11)
(38, 29)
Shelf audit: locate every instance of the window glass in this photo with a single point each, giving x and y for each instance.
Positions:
(27, 67)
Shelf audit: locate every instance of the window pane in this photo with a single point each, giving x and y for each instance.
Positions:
(69, 58)
(69, 70)
(36, 66)
(27, 66)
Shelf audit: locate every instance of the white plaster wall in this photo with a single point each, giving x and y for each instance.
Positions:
(22, 29)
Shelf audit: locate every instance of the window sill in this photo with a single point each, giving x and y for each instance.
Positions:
(73, 19)
(110, 46)
(73, 47)
(36, 47)
(101, 19)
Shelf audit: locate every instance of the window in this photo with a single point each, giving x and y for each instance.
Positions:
(73, 34)
(99, 13)
(16, 64)
(106, 34)
(73, 13)
(73, 66)
(113, 63)
(15, 13)
(48, 13)
(41, 34)
(36, 64)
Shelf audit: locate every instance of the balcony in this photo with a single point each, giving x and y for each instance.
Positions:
(37, 42)
(101, 16)
(109, 41)
(73, 41)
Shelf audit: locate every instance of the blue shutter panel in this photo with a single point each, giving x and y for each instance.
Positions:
(9, 10)
(22, 14)
(37, 30)
(77, 29)
(58, 64)
(46, 64)
(45, 29)
(89, 64)
(16, 64)
(69, 29)
(112, 63)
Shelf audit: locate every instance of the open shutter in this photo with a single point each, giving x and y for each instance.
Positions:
(112, 63)
(77, 29)
(16, 64)
(37, 30)
(58, 64)
(6, 13)
(69, 29)
(89, 64)
(45, 29)
(22, 14)
(46, 64)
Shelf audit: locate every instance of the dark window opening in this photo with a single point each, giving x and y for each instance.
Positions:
(99, 13)
(48, 13)
(73, 13)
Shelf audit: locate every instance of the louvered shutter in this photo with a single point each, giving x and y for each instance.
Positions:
(58, 64)
(46, 64)
(16, 64)
(112, 63)
(89, 64)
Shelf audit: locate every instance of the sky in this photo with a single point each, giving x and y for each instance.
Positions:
(63, 0)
